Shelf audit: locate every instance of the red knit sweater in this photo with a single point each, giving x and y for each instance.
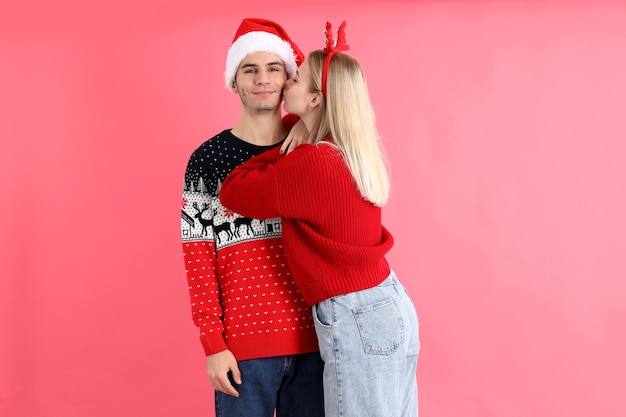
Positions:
(334, 240)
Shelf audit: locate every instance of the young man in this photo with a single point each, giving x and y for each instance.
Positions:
(255, 327)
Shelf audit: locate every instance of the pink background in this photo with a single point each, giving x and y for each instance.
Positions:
(505, 123)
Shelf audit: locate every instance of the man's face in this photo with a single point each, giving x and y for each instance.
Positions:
(259, 81)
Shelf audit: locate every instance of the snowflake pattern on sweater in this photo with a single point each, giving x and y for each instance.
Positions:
(242, 294)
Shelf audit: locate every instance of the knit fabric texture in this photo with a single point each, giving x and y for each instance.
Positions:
(334, 240)
(243, 295)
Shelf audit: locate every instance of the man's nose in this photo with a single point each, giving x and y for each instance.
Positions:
(262, 77)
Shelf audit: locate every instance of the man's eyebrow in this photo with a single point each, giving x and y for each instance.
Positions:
(269, 64)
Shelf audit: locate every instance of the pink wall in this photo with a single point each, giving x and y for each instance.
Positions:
(506, 128)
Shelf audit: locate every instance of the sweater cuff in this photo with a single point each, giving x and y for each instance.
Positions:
(213, 343)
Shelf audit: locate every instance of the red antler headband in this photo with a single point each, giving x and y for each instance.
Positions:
(332, 47)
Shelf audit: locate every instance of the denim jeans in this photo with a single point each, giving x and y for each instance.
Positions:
(290, 385)
(369, 341)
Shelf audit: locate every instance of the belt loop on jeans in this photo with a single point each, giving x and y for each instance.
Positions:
(391, 279)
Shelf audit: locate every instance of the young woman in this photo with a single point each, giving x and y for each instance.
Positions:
(329, 193)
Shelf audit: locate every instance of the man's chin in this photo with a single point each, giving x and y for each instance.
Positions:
(268, 107)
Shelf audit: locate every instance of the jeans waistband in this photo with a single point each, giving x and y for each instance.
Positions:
(391, 279)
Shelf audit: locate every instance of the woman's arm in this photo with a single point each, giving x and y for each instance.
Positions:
(251, 189)
(298, 186)
(298, 134)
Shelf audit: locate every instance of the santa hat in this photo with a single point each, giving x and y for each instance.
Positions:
(260, 35)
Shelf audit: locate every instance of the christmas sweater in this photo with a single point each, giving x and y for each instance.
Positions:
(334, 240)
(243, 295)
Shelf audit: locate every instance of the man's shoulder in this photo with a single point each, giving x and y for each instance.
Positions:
(221, 138)
(204, 155)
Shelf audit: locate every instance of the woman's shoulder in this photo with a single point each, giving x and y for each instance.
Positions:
(315, 160)
(319, 150)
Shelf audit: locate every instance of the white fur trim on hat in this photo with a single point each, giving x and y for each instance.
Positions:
(258, 41)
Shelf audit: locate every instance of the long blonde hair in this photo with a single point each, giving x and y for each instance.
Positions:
(348, 117)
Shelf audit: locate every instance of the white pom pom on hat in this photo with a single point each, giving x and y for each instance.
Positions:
(260, 35)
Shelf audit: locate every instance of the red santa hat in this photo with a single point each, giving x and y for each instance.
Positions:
(260, 35)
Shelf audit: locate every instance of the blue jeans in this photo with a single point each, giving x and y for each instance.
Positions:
(290, 385)
(369, 341)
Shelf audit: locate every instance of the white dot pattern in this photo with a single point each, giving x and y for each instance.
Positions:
(240, 286)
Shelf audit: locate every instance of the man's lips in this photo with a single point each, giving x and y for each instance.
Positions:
(264, 93)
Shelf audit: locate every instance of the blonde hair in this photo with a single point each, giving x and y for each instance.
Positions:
(348, 117)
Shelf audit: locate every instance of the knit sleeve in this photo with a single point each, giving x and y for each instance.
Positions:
(251, 188)
(291, 186)
(290, 120)
(199, 254)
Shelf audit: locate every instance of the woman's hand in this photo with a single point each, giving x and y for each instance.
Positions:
(297, 136)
